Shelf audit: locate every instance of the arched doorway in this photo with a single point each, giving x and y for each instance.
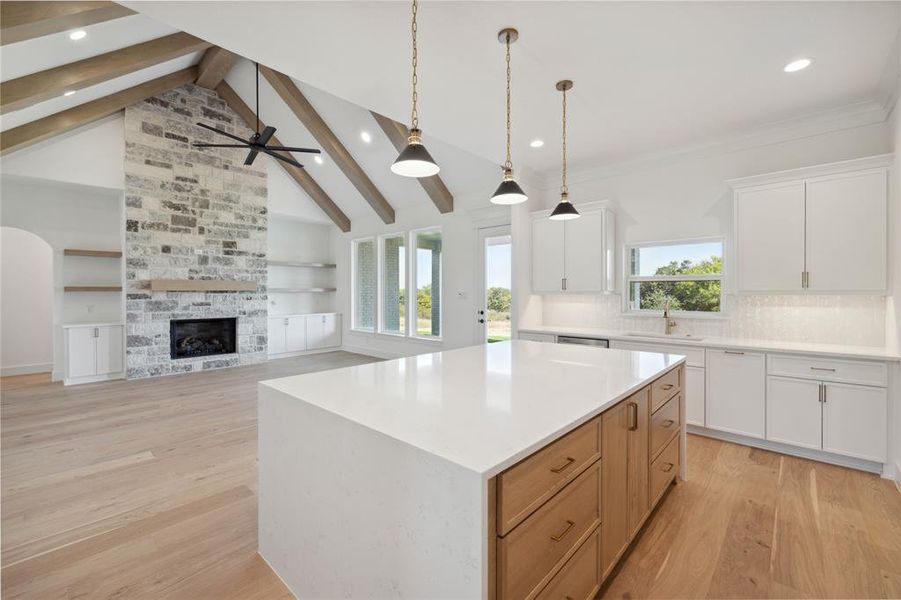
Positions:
(26, 303)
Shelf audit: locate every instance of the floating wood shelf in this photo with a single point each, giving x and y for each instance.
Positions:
(93, 253)
(312, 290)
(92, 288)
(292, 263)
(201, 285)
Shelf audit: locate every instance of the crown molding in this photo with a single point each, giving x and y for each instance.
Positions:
(879, 161)
(846, 117)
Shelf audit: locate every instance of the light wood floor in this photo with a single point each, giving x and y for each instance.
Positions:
(146, 489)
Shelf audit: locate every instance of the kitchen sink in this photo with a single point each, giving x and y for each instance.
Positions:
(679, 337)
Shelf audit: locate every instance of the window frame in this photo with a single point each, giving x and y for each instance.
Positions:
(354, 326)
(629, 279)
(412, 313)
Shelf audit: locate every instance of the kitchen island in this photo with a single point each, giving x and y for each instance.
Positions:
(508, 470)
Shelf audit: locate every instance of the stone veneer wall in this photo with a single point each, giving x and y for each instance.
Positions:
(190, 214)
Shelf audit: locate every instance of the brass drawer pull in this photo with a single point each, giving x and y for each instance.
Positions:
(666, 387)
(559, 536)
(569, 460)
(668, 423)
(633, 416)
(668, 467)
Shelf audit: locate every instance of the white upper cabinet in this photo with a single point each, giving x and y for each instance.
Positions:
(576, 255)
(769, 237)
(819, 229)
(846, 232)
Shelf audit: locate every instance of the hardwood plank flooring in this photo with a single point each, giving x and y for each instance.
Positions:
(147, 489)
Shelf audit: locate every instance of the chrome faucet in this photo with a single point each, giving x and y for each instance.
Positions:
(670, 323)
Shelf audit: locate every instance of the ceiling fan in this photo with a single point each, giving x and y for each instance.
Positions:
(259, 141)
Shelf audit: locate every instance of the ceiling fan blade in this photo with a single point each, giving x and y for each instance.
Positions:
(266, 135)
(220, 132)
(203, 145)
(293, 149)
(251, 156)
(282, 158)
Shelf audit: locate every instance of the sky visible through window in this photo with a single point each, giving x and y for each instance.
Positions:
(653, 257)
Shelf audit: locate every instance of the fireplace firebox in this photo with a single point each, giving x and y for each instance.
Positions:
(192, 338)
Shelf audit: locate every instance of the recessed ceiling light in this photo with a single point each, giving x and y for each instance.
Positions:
(797, 65)
(68, 93)
(536, 143)
(364, 135)
(77, 34)
(318, 160)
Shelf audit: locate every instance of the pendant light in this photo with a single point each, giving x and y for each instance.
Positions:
(415, 160)
(508, 192)
(565, 210)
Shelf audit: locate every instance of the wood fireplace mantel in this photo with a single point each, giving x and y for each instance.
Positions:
(201, 285)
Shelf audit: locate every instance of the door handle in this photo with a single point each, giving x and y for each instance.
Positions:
(633, 416)
(481, 320)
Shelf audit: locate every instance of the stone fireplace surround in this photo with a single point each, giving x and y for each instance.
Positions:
(190, 214)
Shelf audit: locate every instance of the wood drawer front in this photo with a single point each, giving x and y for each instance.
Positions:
(694, 355)
(665, 387)
(665, 423)
(828, 369)
(524, 487)
(534, 552)
(664, 469)
(580, 577)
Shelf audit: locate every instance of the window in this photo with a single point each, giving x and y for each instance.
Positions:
(426, 275)
(364, 284)
(392, 283)
(689, 274)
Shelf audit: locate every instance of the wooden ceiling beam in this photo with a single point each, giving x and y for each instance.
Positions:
(67, 120)
(398, 133)
(31, 89)
(303, 179)
(301, 107)
(214, 66)
(20, 21)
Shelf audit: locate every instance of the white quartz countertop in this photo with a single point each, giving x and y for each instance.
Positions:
(834, 350)
(483, 407)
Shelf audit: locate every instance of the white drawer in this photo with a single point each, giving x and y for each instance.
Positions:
(537, 337)
(828, 369)
(694, 356)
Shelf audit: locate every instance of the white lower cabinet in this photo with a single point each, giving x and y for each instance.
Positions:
(854, 420)
(299, 333)
(94, 353)
(736, 392)
(794, 412)
(694, 395)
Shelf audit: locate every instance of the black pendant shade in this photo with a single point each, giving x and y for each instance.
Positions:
(564, 211)
(415, 161)
(508, 192)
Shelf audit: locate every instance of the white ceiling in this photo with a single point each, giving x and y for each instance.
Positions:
(648, 76)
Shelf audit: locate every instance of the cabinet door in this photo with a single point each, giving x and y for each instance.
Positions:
(854, 421)
(547, 255)
(736, 392)
(846, 232)
(794, 412)
(296, 334)
(639, 459)
(322, 331)
(332, 330)
(81, 352)
(694, 395)
(583, 255)
(277, 335)
(769, 238)
(615, 484)
(109, 350)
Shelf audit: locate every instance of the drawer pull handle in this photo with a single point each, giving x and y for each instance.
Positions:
(668, 467)
(569, 460)
(733, 352)
(633, 416)
(668, 423)
(822, 369)
(559, 536)
(667, 386)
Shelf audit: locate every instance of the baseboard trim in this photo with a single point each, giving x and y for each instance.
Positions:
(94, 378)
(26, 369)
(303, 353)
(832, 459)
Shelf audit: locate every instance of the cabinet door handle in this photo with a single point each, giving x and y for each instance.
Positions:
(559, 536)
(96, 332)
(669, 467)
(733, 352)
(822, 369)
(824, 393)
(668, 423)
(569, 460)
(633, 416)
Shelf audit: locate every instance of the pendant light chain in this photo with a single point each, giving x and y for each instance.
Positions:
(508, 165)
(414, 115)
(563, 188)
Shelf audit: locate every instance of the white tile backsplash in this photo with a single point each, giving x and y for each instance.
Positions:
(855, 320)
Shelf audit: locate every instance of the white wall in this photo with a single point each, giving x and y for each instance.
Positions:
(685, 197)
(893, 305)
(291, 239)
(26, 303)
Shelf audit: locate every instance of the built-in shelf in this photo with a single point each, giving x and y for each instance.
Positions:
(201, 285)
(299, 290)
(293, 263)
(92, 288)
(92, 253)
